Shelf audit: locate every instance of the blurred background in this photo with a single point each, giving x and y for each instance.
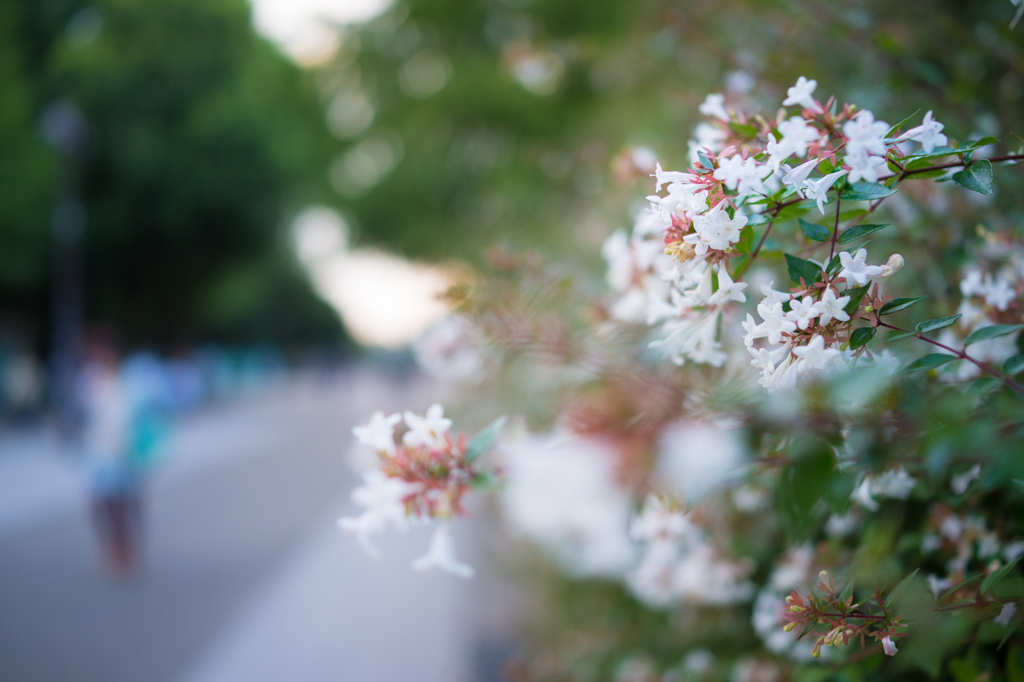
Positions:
(222, 223)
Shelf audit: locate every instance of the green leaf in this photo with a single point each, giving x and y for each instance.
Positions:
(859, 232)
(818, 233)
(484, 439)
(861, 336)
(895, 335)
(856, 295)
(757, 219)
(704, 160)
(825, 167)
(847, 591)
(743, 129)
(866, 191)
(1009, 588)
(960, 586)
(997, 576)
(937, 153)
(977, 177)
(1013, 365)
(898, 591)
(746, 242)
(971, 145)
(898, 304)
(798, 267)
(986, 333)
(834, 264)
(902, 123)
(930, 361)
(939, 323)
(980, 387)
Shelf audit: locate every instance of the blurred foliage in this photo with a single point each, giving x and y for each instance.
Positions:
(202, 139)
(509, 117)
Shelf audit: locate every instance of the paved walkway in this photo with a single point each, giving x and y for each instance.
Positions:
(246, 577)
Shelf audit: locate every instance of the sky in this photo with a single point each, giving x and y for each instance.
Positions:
(303, 27)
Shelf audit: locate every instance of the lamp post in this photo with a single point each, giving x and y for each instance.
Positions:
(64, 128)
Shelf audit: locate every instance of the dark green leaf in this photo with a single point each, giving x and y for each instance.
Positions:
(936, 153)
(847, 591)
(997, 576)
(960, 586)
(1009, 588)
(982, 386)
(484, 439)
(977, 177)
(859, 232)
(856, 295)
(834, 265)
(1013, 365)
(939, 323)
(895, 335)
(902, 123)
(930, 361)
(818, 233)
(866, 191)
(861, 336)
(898, 591)
(898, 304)
(800, 268)
(992, 332)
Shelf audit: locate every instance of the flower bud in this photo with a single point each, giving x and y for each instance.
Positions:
(796, 609)
(823, 576)
(889, 646)
(789, 627)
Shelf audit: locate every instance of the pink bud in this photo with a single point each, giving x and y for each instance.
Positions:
(889, 646)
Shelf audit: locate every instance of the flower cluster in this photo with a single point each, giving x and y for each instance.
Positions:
(420, 479)
(679, 564)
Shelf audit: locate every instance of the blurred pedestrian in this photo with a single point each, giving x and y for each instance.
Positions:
(117, 438)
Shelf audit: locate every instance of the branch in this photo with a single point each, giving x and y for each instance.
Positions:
(963, 356)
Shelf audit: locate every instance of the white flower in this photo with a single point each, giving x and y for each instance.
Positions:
(706, 136)
(753, 330)
(744, 175)
(814, 355)
(972, 284)
(704, 287)
(428, 430)
(895, 483)
(832, 307)
(1000, 293)
(797, 176)
(959, 483)
(855, 270)
(379, 434)
(865, 134)
(697, 457)
(818, 189)
(693, 338)
(714, 105)
(892, 266)
(888, 646)
(775, 323)
(382, 497)
(441, 555)
(802, 94)
(1007, 613)
(727, 289)
(664, 177)
(796, 135)
(562, 492)
(862, 494)
(929, 134)
(774, 296)
(863, 166)
(803, 311)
